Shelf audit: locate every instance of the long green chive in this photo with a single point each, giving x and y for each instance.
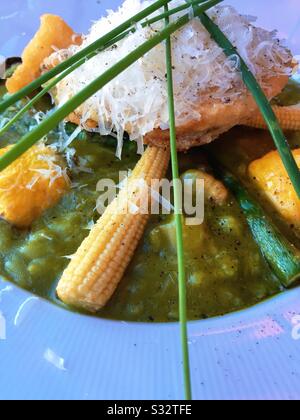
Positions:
(178, 221)
(27, 90)
(61, 113)
(170, 12)
(121, 31)
(261, 100)
(39, 96)
(79, 63)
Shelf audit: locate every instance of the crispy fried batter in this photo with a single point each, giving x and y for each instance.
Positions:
(217, 117)
(53, 33)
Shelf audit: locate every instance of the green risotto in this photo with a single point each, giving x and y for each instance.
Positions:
(225, 268)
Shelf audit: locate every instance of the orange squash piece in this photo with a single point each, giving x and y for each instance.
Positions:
(271, 178)
(31, 185)
(53, 33)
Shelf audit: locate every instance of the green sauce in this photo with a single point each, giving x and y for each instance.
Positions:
(225, 269)
(290, 95)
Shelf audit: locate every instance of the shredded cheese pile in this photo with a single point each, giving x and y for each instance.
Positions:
(136, 101)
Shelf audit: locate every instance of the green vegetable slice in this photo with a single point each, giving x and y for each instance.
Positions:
(282, 256)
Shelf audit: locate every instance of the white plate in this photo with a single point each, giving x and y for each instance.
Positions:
(49, 353)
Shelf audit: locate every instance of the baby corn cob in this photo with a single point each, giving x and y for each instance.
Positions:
(288, 117)
(100, 262)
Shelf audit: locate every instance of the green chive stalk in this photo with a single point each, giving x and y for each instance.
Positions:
(178, 221)
(63, 112)
(52, 83)
(120, 32)
(173, 11)
(282, 256)
(261, 100)
(27, 90)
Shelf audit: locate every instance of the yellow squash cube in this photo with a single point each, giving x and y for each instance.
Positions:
(270, 176)
(31, 185)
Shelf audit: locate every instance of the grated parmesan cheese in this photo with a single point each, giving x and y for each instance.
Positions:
(52, 173)
(136, 101)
